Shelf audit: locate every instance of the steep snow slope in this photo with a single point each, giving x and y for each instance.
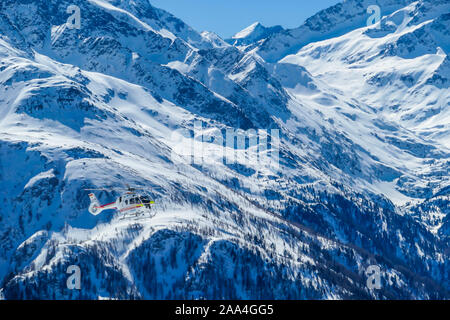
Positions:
(397, 74)
(97, 107)
(391, 69)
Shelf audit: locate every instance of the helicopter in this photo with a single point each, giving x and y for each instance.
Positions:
(131, 203)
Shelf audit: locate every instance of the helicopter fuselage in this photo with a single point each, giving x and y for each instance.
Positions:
(129, 203)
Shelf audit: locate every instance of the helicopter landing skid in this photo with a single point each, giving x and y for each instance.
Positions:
(136, 216)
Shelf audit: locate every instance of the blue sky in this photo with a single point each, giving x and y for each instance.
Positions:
(226, 17)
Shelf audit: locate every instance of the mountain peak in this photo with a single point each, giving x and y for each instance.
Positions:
(248, 31)
(253, 33)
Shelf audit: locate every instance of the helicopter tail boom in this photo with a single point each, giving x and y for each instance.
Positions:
(95, 208)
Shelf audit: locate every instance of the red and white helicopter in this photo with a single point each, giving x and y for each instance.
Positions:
(130, 204)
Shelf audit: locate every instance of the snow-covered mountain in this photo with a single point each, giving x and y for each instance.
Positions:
(362, 115)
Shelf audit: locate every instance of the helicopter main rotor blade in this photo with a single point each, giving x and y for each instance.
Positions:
(122, 189)
(106, 189)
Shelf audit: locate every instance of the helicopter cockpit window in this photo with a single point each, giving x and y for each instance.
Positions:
(145, 200)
